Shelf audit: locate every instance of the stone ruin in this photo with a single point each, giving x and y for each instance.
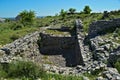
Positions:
(68, 49)
(61, 51)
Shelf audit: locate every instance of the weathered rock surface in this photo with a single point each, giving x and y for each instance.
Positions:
(111, 74)
(114, 56)
(102, 48)
(83, 49)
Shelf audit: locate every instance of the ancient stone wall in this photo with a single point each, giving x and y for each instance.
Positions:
(70, 46)
(55, 44)
(60, 45)
(102, 26)
(81, 49)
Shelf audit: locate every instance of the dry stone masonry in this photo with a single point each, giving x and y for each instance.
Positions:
(84, 50)
(59, 45)
(100, 27)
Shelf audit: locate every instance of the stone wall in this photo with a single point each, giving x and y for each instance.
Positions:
(60, 45)
(52, 44)
(71, 47)
(102, 26)
(82, 49)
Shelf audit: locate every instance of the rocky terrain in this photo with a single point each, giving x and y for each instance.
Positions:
(75, 54)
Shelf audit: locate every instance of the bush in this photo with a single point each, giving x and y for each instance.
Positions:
(24, 69)
(21, 69)
(105, 15)
(97, 71)
(26, 17)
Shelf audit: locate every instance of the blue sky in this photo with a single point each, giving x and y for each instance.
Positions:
(10, 8)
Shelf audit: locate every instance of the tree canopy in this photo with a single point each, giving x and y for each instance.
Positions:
(87, 10)
(72, 10)
(63, 13)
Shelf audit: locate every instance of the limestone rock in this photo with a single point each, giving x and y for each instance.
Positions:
(2, 53)
(100, 78)
(85, 78)
(114, 56)
(111, 74)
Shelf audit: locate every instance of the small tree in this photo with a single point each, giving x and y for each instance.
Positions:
(105, 15)
(72, 10)
(26, 17)
(87, 10)
(63, 13)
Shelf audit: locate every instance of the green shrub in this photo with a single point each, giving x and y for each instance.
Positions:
(117, 66)
(26, 17)
(24, 69)
(21, 69)
(97, 71)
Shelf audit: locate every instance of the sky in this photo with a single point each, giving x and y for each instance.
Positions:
(11, 8)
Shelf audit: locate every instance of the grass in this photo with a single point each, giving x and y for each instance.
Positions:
(61, 77)
(113, 34)
(56, 32)
(8, 36)
(90, 76)
(89, 18)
